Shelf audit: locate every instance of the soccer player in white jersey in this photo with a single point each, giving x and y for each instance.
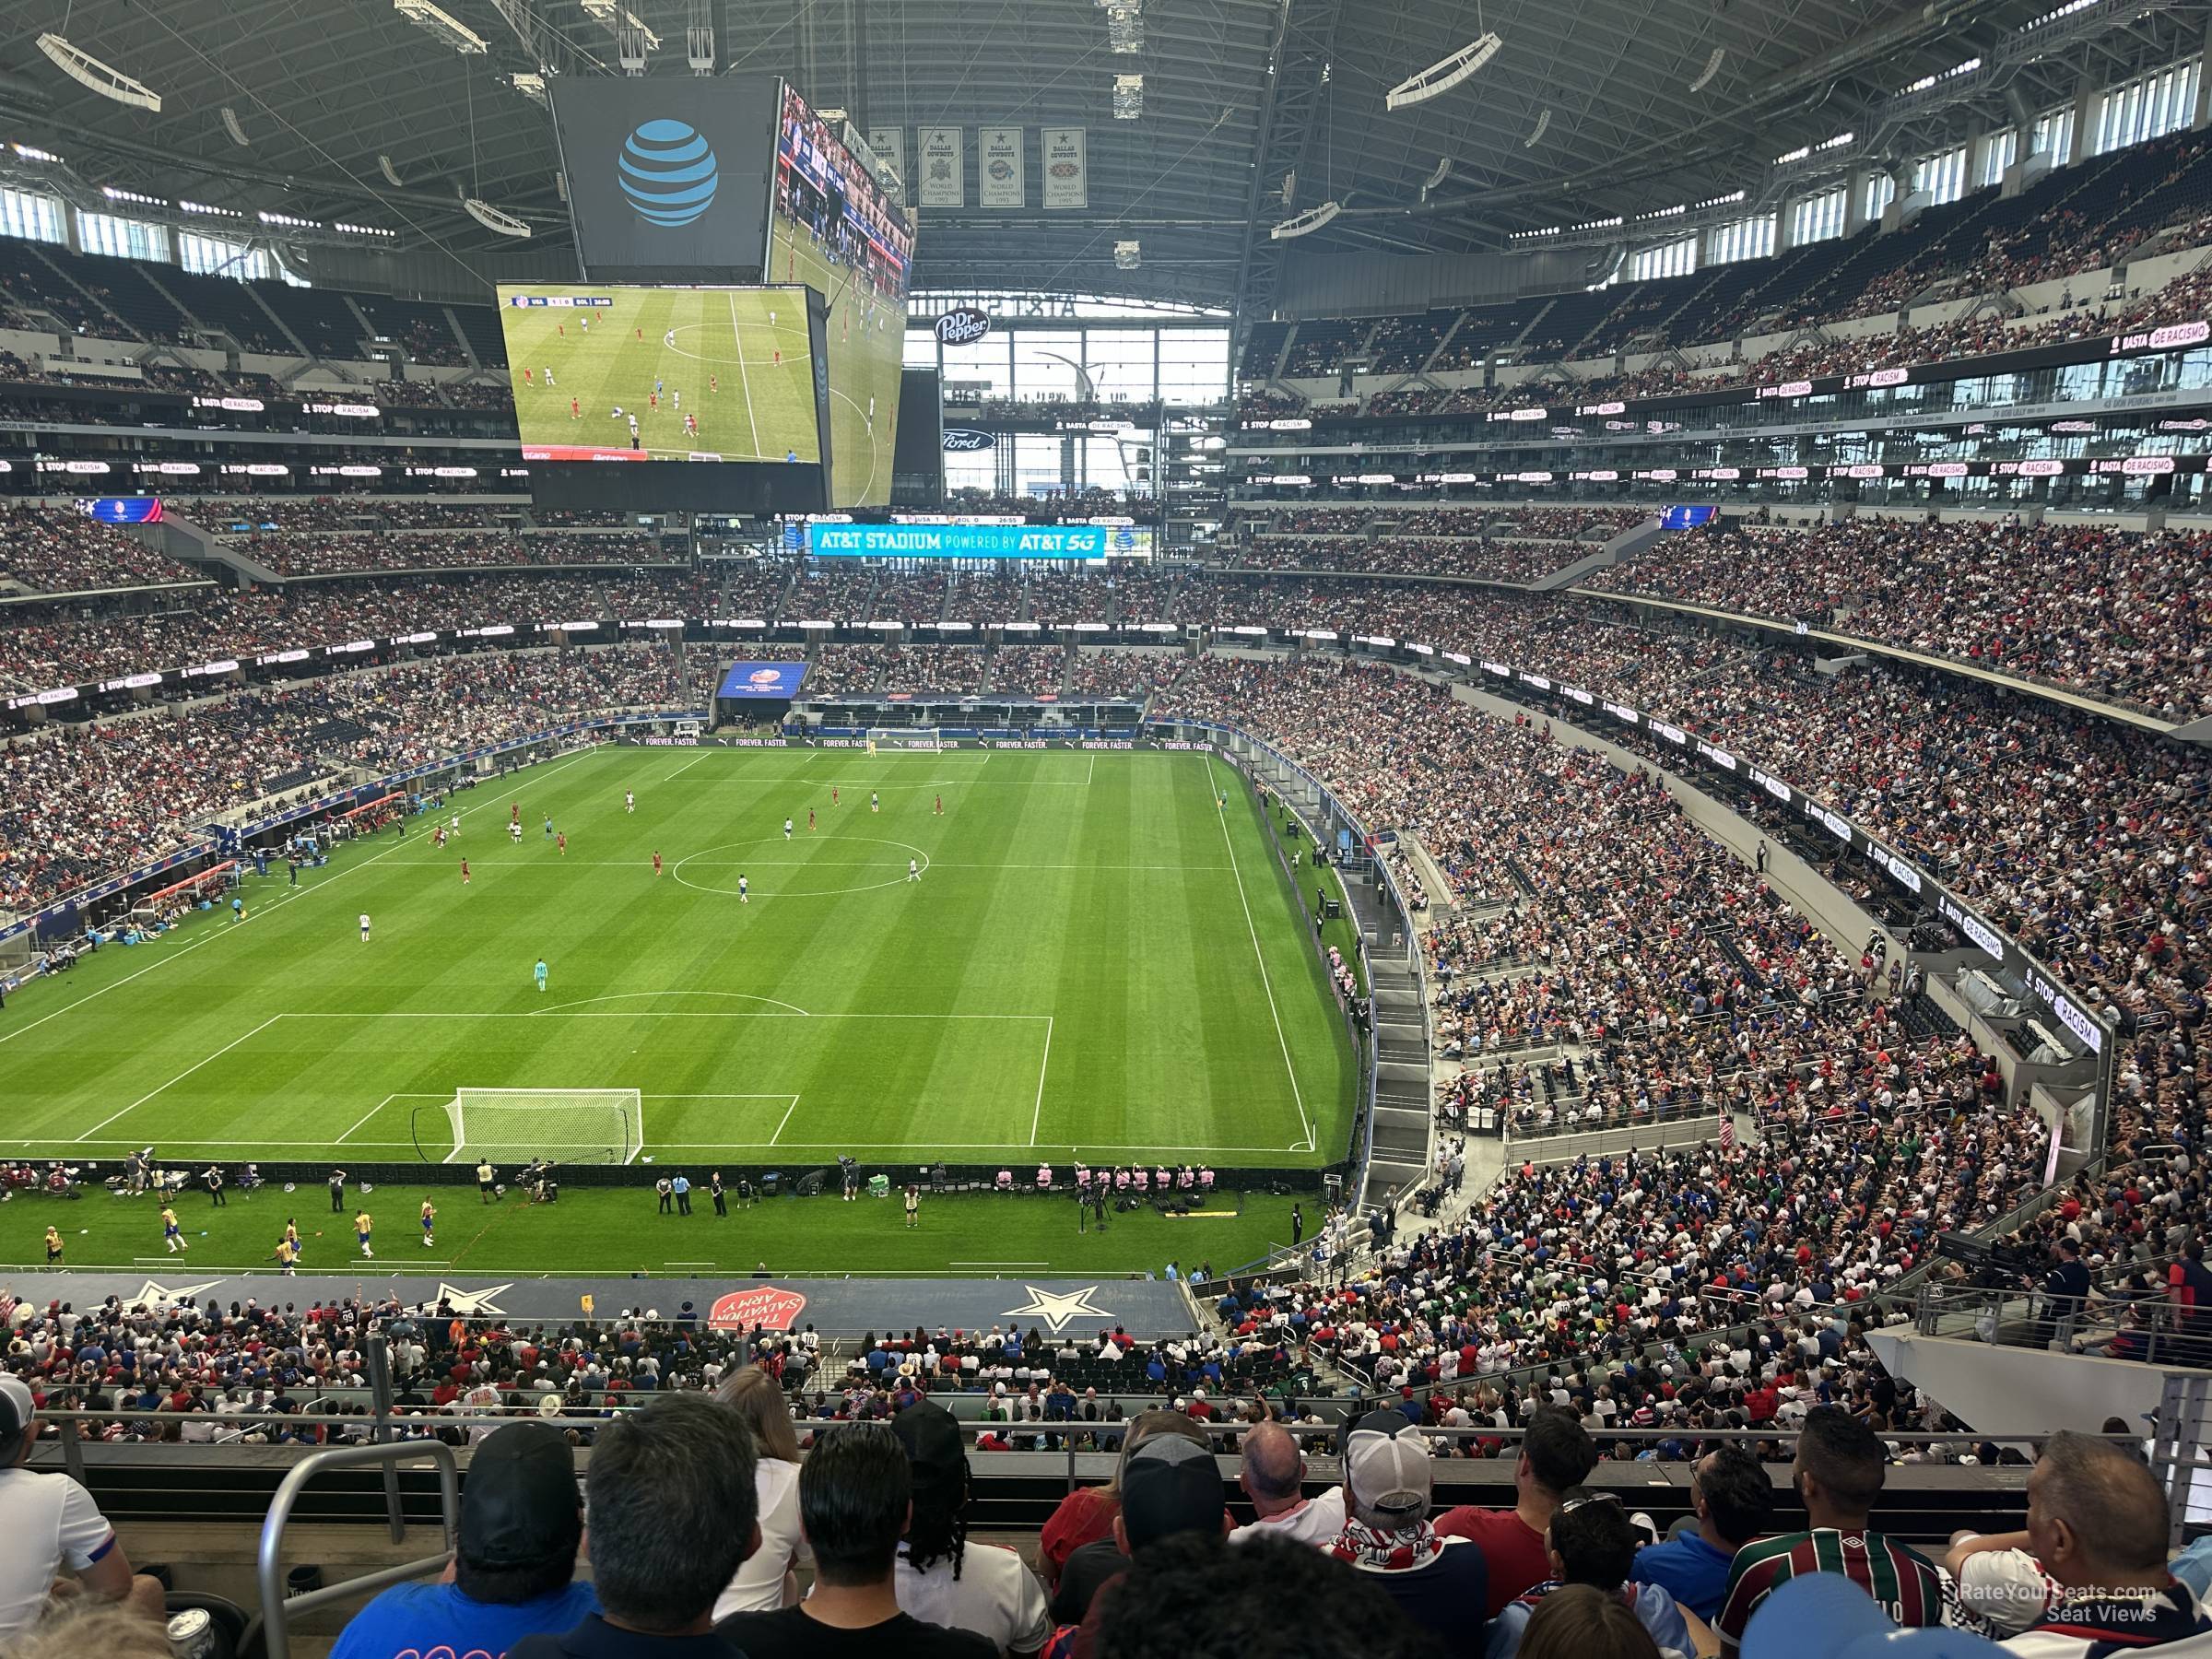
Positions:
(454, 827)
(675, 400)
(913, 870)
(515, 833)
(786, 829)
(744, 893)
(364, 927)
(630, 801)
(548, 376)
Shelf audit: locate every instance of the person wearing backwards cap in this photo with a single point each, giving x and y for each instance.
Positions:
(1442, 1584)
(51, 1522)
(514, 1574)
(1170, 1488)
(941, 1581)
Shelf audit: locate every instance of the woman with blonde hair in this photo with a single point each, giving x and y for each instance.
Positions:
(768, 1579)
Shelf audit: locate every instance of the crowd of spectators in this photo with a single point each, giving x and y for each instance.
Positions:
(80, 803)
(324, 553)
(2115, 614)
(55, 551)
(847, 670)
(67, 644)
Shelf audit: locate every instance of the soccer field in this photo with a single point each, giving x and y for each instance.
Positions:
(867, 343)
(1099, 959)
(735, 359)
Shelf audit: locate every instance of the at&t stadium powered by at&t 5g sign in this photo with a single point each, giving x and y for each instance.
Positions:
(957, 541)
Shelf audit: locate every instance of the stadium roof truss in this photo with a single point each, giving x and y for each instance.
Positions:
(1253, 110)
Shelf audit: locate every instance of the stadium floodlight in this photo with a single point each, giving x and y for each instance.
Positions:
(1125, 256)
(1312, 219)
(699, 47)
(391, 173)
(1442, 76)
(236, 128)
(1537, 134)
(432, 20)
(89, 71)
(604, 10)
(532, 86)
(1128, 96)
(491, 219)
(1712, 67)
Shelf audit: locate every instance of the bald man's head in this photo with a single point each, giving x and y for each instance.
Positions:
(1274, 1466)
(2096, 1515)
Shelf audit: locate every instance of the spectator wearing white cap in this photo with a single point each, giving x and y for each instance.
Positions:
(50, 1523)
(1441, 1583)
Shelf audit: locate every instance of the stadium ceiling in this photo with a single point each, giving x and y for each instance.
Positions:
(1252, 109)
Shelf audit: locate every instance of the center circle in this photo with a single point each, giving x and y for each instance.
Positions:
(704, 859)
(739, 362)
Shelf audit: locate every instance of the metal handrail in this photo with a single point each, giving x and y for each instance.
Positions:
(276, 1607)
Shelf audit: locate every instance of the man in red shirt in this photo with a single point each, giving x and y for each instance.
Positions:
(1557, 1456)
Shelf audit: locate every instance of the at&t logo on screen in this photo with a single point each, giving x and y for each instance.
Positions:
(667, 171)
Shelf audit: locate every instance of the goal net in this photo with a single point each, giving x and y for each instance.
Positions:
(903, 737)
(566, 1125)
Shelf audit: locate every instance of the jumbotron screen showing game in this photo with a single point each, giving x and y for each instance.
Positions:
(606, 372)
(831, 228)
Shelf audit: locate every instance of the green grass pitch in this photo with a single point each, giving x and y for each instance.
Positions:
(715, 351)
(868, 345)
(1100, 959)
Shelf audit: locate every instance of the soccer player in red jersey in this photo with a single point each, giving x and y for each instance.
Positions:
(657, 864)
(465, 872)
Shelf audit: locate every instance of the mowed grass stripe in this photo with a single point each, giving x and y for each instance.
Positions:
(1161, 1035)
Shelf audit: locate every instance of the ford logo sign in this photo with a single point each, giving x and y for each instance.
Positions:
(963, 441)
(962, 327)
(666, 170)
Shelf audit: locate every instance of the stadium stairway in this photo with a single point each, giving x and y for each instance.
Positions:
(1626, 545)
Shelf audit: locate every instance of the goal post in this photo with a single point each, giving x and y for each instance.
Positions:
(565, 1125)
(881, 738)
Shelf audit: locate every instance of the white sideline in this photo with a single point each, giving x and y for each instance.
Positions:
(179, 1077)
(1221, 813)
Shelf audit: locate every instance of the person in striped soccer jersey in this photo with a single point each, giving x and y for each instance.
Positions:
(1838, 1476)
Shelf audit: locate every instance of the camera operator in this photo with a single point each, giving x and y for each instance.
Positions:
(2065, 1291)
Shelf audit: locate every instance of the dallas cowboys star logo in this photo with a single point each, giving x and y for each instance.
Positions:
(1058, 1308)
(151, 1294)
(472, 1302)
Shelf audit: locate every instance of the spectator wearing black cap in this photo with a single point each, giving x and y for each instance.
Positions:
(1437, 1582)
(855, 1495)
(515, 1572)
(1100, 1561)
(50, 1523)
(1557, 1456)
(673, 1513)
(942, 1581)
(1593, 1542)
(1170, 1488)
